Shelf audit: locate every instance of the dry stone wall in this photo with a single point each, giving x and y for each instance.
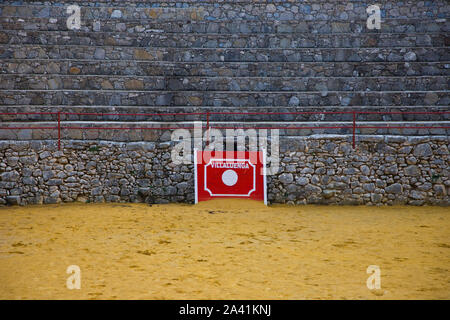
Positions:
(301, 60)
(315, 169)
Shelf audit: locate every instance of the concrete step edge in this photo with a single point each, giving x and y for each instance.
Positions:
(205, 34)
(226, 62)
(59, 75)
(219, 48)
(221, 91)
(221, 108)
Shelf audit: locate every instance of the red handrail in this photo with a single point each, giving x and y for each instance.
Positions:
(224, 113)
(208, 126)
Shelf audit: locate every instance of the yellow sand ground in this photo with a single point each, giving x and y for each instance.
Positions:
(224, 250)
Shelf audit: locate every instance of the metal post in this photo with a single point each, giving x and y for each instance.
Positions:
(59, 130)
(354, 128)
(207, 128)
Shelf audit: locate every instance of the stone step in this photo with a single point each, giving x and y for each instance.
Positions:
(157, 131)
(274, 41)
(254, 84)
(237, 11)
(178, 3)
(251, 114)
(229, 69)
(138, 26)
(398, 54)
(241, 99)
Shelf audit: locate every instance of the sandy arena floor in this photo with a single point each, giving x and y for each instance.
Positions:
(224, 250)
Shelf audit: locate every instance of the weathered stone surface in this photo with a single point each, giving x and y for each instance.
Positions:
(96, 26)
(134, 85)
(369, 187)
(410, 56)
(302, 181)
(286, 178)
(271, 8)
(116, 14)
(141, 54)
(431, 98)
(282, 56)
(99, 53)
(54, 182)
(365, 170)
(393, 169)
(327, 194)
(10, 176)
(395, 188)
(317, 174)
(423, 150)
(74, 70)
(294, 101)
(13, 200)
(417, 195)
(440, 190)
(412, 170)
(48, 174)
(340, 27)
(106, 85)
(310, 188)
(45, 155)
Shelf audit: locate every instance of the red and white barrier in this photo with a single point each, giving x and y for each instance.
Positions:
(230, 175)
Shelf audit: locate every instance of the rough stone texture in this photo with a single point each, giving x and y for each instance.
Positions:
(315, 169)
(221, 83)
(239, 10)
(93, 172)
(187, 54)
(197, 53)
(364, 176)
(217, 98)
(193, 56)
(288, 41)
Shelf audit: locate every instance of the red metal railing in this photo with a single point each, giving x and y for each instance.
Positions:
(207, 116)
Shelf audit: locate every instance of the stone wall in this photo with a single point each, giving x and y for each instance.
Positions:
(287, 57)
(382, 170)
(315, 169)
(236, 55)
(211, 10)
(92, 171)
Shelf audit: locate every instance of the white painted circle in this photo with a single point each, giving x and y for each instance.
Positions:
(230, 177)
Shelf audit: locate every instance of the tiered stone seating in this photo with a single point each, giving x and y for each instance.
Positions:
(234, 56)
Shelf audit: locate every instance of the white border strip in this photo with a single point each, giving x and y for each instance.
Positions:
(230, 195)
(264, 175)
(195, 176)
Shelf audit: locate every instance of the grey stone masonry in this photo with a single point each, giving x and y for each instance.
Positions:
(394, 54)
(160, 131)
(148, 26)
(254, 84)
(252, 115)
(314, 65)
(180, 40)
(315, 169)
(227, 98)
(225, 69)
(236, 10)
